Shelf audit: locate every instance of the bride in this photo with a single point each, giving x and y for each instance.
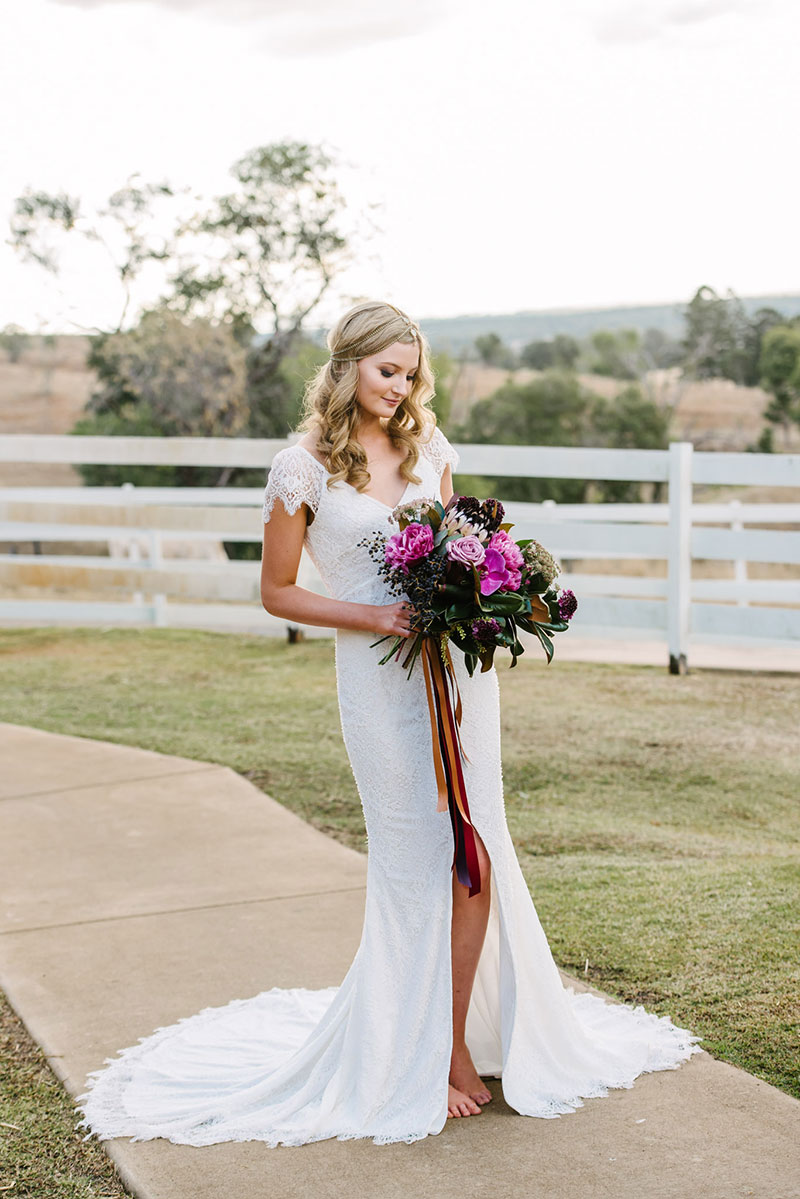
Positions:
(445, 990)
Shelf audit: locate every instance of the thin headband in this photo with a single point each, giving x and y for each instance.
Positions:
(410, 326)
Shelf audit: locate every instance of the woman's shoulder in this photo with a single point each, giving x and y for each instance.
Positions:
(295, 477)
(437, 449)
(299, 456)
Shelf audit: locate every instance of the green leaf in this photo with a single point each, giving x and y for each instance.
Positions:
(547, 644)
(458, 612)
(503, 602)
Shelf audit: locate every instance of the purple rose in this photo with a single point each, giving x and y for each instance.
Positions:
(466, 550)
(415, 542)
(567, 604)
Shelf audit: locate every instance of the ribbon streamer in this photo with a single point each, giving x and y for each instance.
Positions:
(447, 755)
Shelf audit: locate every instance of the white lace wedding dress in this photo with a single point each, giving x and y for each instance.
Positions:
(370, 1058)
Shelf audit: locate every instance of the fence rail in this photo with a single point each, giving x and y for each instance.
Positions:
(139, 523)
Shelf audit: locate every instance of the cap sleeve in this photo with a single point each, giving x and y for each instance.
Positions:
(295, 478)
(439, 452)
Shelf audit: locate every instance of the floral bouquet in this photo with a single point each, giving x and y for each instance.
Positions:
(474, 587)
(469, 581)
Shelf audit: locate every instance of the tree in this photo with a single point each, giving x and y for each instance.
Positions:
(759, 325)
(561, 350)
(168, 377)
(270, 247)
(556, 409)
(14, 341)
(276, 382)
(717, 337)
(779, 366)
(443, 372)
(566, 351)
(493, 351)
(125, 227)
(550, 410)
(538, 355)
(617, 354)
(659, 351)
(630, 421)
(264, 253)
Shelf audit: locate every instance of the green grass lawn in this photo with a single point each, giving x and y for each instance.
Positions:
(656, 817)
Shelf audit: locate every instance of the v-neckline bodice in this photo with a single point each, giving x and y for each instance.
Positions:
(365, 494)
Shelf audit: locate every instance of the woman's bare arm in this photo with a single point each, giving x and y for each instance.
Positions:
(446, 484)
(280, 595)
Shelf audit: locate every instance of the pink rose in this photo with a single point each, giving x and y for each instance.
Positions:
(468, 551)
(413, 543)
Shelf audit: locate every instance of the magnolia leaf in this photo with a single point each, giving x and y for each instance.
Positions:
(498, 601)
(458, 612)
(539, 610)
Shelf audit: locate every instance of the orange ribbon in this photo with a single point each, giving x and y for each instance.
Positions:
(448, 753)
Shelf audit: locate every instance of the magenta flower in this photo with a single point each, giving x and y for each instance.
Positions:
(494, 573)
(413, 543)
(466, 550)
(508, 548)
(503, 564)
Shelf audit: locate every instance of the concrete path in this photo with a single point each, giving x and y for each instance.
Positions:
(139, 888)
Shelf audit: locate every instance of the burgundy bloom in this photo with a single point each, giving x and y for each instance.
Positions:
(567, 604)
(485, 630)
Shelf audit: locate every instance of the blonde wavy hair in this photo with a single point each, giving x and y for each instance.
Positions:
(330, 406)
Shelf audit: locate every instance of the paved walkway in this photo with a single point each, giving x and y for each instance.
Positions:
(138, 888)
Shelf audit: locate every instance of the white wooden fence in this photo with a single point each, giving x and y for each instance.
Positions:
(225, 594)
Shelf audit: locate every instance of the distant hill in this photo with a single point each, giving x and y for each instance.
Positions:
(456, 333)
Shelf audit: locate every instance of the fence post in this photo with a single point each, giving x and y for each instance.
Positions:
(739, 565)
(133, 545)
(156, 561)
(679, 561)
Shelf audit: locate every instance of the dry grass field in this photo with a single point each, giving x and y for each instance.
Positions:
(45, 392)
(714, 414)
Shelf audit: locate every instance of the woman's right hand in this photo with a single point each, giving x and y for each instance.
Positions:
(393, 620)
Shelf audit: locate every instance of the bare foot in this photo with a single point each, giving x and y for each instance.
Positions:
(465, 1078)
(459, 1104)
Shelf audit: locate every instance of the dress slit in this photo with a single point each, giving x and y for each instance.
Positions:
(485, 1032)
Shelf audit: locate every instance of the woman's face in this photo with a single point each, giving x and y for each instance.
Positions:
(386, 378)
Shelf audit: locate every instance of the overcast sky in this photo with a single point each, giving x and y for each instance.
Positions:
(522, 154)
